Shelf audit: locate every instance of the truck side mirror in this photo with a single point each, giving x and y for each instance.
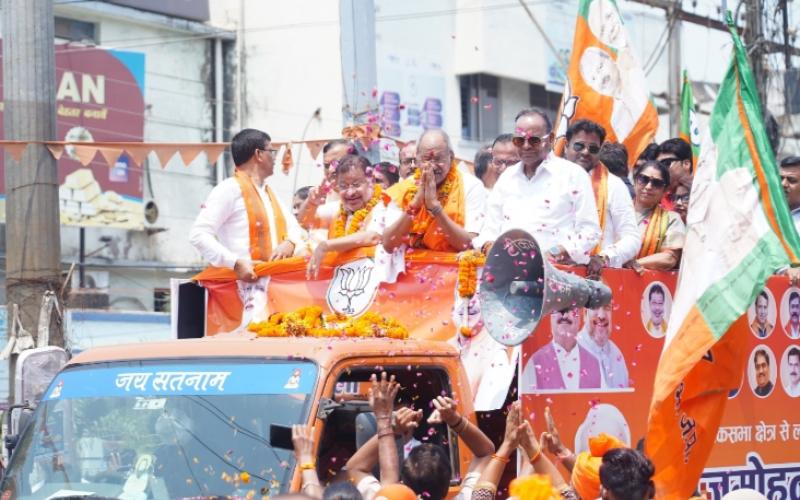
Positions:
(35, 369)
(19, 417)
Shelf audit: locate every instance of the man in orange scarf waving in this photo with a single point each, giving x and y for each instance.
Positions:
(442, 207)
(242, 221)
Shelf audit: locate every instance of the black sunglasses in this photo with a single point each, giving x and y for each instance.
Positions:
(532, 141)
(579, 146)
(644, 180)
(667, 162)
(674, 198)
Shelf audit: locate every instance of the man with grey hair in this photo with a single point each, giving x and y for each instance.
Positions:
(549, 197)
(442, 208)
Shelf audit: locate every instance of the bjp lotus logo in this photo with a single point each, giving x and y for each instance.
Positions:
(353, 287)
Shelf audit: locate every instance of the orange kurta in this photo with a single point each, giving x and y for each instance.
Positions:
(425, 231)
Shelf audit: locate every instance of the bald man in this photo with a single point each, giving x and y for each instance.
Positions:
(442, 208)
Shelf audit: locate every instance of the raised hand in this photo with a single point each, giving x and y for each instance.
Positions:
(445, 411)
(382, 395)
(303, 441)
(550, 440)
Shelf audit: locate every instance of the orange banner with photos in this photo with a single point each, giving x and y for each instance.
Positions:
(607, 385)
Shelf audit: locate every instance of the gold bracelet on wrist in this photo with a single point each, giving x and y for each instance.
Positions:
(311, 465)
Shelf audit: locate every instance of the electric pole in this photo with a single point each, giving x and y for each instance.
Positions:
(359, 65)
(754, 40)
(674, 80)
(33, 242)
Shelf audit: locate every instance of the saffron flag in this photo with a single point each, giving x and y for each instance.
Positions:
(740, 232)
(690, 128)
(605, 81)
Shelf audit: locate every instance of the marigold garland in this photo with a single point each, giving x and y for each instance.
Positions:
(533, 487)
(468, 263)
(357, 220)
(310, 322)
(423, 219)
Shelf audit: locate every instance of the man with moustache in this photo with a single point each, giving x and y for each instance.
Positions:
(793, 359)
(408, 159)
(657, 325)
(761, 326)
(562, 364)
(621, 238)
(792, 328)
(547, 196)
(596, 339)
(763, 378)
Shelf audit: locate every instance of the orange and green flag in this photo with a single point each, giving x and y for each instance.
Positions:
(605, 81)
(690, 128)
(740, 232)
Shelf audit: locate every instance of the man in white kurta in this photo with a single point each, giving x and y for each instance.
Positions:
(622, 238)
(224, 228)
(549, 197)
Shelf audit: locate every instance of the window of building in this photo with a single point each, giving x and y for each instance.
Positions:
(161, 299)
(74, 31)
(545, 100)
(480, 113)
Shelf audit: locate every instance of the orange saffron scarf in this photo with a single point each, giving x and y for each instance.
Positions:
(261, 244)
(425, 232)
(655, 233)
(600, 187)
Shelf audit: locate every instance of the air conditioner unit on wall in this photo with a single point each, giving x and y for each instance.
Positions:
(97, 280)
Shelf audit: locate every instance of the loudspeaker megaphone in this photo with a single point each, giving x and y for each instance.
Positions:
(519, 287)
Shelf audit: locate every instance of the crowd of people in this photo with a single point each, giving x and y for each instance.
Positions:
(583, 207)
(385, 468)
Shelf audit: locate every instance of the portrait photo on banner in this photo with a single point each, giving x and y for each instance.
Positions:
(790, 370)
(655, 308)
(790, 312)
(575, 350)
(762, 314)
(762, 370)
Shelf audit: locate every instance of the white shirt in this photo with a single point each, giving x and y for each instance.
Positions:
(793, 390)
(621, 236)
(796, 218)
(569, 362)
(612, 363)
(221, 232)
(475, 198)
(556, 206)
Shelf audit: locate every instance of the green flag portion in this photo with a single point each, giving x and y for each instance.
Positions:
(690, 128)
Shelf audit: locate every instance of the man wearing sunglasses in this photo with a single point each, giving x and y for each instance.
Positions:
(242, 221)
(547, 196)
(621, 238)
(676, 155)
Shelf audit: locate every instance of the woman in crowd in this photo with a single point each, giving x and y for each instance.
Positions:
(364, 212)
(663, 231)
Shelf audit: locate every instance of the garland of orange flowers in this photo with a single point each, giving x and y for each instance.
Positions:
(309, 321)
(468, 263)
(534, 487)
(421, 224)
(358, 216)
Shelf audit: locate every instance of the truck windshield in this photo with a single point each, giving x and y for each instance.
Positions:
(162, 430)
